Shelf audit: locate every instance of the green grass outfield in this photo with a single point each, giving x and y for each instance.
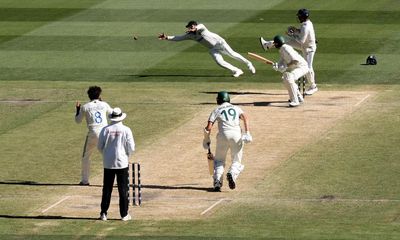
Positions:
(52, 50)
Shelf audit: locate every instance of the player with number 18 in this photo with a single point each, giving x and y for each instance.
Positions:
(95, 112)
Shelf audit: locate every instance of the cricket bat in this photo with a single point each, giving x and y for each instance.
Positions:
(260, 58)
(210, 160)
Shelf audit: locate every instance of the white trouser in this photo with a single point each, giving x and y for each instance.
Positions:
(289, 80)
(92, 139)
(229, 140)
(308, 55)
(224, 48)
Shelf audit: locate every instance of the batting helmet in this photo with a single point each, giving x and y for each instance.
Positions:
(279, 41)
(303, 14)
(222, 97)
(371, 60)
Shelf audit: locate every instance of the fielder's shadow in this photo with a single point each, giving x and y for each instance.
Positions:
(33, 183)
(49, 217)
(175, 75)
(185, 187)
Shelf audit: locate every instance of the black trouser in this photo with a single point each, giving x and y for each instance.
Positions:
(123, 189)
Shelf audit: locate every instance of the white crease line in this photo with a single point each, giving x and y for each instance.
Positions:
(362, 100)
(55, 204)
(212, 206)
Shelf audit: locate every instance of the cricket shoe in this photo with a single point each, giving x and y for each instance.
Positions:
(266, 44)
(294, 104)
(126, 218)
(237, 73)
(103, 217)
(311, 90)
(217, 186)
(229, 177)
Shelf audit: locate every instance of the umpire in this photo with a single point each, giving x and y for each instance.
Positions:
(117, 145)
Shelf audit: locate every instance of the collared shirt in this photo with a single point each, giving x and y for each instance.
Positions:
(117, 145)
(96, 113)
(227, 116)
(306, 37)
(290, 57)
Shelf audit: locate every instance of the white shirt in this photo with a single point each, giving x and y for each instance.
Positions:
(227, 116)
(202, 36)
(96, 113)
(306, 37)
(290, 58)
(117, 145)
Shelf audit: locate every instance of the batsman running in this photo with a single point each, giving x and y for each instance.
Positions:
(216, 45)
(229, 137)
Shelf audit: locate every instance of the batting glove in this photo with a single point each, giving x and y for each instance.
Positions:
(247, 138)
(278, 68)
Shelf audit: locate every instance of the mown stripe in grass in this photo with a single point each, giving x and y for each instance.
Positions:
(151, 44)
(183, 15)
(364, 75)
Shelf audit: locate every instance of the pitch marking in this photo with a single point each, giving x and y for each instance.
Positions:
(362, 100)
(55, 204)
(212, 206)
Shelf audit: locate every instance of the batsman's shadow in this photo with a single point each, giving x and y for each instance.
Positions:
(178, 187)
(255, 104)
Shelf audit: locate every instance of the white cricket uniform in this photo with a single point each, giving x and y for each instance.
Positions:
(95, 113)
(229, 137)
(305, 41)
(296, 68)
(216, 45)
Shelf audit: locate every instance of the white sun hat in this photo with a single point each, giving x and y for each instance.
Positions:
(117, 115)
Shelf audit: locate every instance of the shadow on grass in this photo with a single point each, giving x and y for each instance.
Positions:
(33, 183)
(247, 93)
(175, 75)
(178, 187)
(255, 104)
(51, 217)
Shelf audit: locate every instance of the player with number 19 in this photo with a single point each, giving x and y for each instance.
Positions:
(95, 112)
(229, 137)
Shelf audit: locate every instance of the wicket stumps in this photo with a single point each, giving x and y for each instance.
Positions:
(302, 81)
(136, 184)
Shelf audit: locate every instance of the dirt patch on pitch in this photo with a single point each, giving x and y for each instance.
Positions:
(175, 178)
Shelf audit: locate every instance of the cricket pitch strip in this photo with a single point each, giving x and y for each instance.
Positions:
(175, 179)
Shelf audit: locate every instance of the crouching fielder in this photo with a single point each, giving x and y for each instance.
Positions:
(229, 137)
(292, 66)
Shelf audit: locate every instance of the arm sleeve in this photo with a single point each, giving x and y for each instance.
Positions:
(130, 142)
(79, 116)
(178, 38)
(101, 142)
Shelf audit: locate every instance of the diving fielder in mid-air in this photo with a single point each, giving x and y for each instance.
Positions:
(229, 137)
(216, 45)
